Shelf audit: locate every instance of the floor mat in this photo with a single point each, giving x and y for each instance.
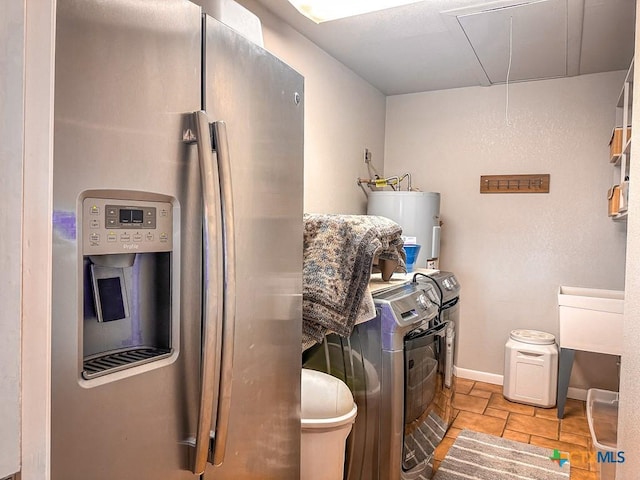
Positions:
(419, 446)
(476, 455)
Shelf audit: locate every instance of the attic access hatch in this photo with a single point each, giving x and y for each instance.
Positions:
(543, 37)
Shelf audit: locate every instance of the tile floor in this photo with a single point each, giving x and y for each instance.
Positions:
(481, 407)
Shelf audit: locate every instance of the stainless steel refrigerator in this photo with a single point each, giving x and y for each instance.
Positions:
(177, 249)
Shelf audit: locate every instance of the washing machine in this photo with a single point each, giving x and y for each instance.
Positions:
(395, 366)
(448, 288)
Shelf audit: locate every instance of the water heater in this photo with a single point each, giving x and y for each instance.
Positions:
(418, 213)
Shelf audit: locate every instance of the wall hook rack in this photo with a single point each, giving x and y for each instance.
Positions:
(515, 183)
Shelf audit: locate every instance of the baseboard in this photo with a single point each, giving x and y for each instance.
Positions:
(478, 376)
(577, 393)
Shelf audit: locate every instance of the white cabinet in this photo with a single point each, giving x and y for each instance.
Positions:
(620, 157)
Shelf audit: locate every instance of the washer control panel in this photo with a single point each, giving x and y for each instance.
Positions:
(122, 226)
(410, 303)
(449, 282)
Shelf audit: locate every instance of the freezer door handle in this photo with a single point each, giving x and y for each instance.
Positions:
(213, 293)
(221, 146)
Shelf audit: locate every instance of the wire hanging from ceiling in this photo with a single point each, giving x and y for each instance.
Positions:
(506, 109)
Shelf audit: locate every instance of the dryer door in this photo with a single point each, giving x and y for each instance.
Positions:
(427, 401)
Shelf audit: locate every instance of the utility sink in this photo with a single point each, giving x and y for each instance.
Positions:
(591, 319)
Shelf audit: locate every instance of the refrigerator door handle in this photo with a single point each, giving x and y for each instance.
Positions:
(221, 146)
(213, 293)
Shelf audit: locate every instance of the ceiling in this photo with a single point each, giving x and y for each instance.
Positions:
(441, 44)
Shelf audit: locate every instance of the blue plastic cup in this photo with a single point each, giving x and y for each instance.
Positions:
(412, 255)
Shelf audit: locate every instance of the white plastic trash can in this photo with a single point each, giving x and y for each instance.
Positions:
(327, 414)
(531, 368)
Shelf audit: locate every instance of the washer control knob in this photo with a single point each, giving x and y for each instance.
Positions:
(423, 301)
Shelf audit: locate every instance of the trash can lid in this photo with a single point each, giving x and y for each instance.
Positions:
(324, 396)
(534, 337)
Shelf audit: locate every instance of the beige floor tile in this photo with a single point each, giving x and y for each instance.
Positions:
(443, 448)
(551, 413)
(453, 432)
(479, 423)
(469, 403)
(517, 436)
(575, 407)
(594, 466)
(477, 392)
(575, 439)
(580, 474)
(462, 385)
(575, 425)
(580, 456)
(541, 427)
(494, 412)
(488, 387)
(499, 402)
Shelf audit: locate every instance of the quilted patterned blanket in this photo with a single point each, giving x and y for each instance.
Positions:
(338, 255)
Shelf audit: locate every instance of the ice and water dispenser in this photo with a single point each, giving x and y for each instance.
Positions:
(129, 282)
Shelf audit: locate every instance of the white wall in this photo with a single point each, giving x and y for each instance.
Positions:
(36, 248)
(629, 414)
(12, 25)
(512, 251)
(343, 116)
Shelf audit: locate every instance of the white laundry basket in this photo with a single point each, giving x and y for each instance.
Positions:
(531, 368)
(327, 415)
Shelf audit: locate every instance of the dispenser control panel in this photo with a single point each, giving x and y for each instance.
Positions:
(117, 216)
(123, 226)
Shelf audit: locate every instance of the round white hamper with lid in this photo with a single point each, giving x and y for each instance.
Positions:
(327, 415)
(531, 368)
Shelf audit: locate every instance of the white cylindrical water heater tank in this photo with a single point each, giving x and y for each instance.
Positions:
(418, 213)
